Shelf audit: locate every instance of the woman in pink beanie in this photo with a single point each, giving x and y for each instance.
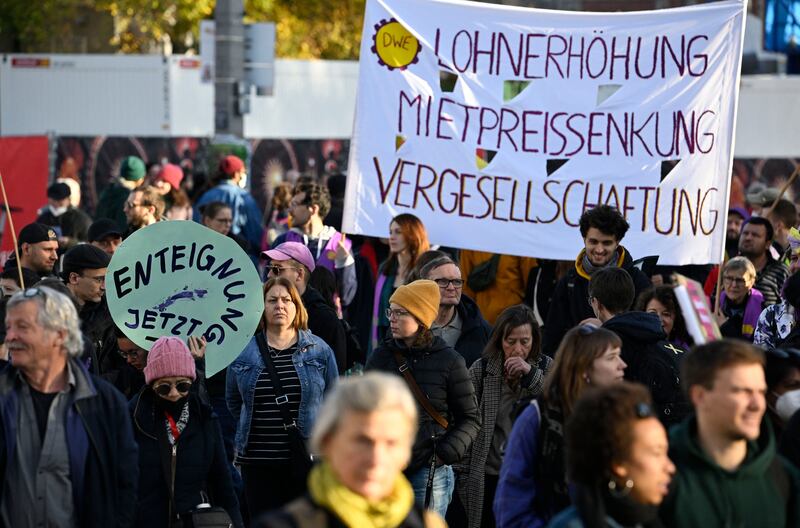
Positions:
(168, 183)
(175, 429)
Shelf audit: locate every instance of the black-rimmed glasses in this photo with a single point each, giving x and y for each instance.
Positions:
(444, 283)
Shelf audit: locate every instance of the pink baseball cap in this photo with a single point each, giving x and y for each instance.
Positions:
(172, 174)
(291, 250)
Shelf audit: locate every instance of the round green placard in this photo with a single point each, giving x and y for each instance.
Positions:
(179, 278)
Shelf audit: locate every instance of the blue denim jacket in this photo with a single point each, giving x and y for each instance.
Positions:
(316, 368)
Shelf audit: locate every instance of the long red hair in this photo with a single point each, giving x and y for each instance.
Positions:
(413, 231)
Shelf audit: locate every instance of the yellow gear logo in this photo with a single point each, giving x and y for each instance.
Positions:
(394, 45)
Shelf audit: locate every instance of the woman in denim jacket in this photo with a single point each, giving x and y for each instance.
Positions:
(306, 368)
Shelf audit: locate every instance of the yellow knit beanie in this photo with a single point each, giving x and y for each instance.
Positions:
(421, 298)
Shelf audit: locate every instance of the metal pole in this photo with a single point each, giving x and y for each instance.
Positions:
(229, 66)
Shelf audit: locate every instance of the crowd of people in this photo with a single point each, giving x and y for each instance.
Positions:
(395, 383)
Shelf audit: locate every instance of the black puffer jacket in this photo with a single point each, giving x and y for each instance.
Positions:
(571, 300)
(442, 375)
(652, 361)
(475, 331)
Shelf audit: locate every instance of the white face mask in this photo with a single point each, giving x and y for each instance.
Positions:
(243, 181)
(787, 404)
(57, 211)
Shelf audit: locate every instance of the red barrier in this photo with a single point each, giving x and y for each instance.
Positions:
(24, 164)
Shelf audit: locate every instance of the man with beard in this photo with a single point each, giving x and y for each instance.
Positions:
(736, 217)
(38, 249)
(602, 229)
(755, 243)
(728, 473)
(143, 207)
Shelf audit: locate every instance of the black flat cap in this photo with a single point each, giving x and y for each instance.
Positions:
(84, 256)
(102, 228)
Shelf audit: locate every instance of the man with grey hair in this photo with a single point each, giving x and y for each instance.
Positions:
(67, 454)
(459, 321)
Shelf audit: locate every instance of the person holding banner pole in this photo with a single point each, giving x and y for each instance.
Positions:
(407, 241)
(274, 391)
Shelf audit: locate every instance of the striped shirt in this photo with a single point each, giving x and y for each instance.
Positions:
(268, 440)
(769, 281)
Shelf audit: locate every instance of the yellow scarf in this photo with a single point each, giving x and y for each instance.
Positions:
(353, 509)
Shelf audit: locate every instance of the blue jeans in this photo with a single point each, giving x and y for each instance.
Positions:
(444, 483)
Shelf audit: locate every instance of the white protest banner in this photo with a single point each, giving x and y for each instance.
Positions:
(498, 126)
(179, 278)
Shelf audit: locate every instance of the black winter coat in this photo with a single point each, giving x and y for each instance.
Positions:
(475, 331)
(652, 361)
(98, 326)
(571, 300)
(442, 375)
(324, 323)
(201, 462)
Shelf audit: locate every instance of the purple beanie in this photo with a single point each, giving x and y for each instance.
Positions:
(169, 357)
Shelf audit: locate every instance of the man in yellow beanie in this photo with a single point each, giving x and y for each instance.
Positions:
(443, 390)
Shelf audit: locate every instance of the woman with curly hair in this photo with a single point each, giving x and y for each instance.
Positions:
(617, 460)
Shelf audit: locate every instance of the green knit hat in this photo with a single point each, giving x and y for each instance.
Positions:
(132, 169)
